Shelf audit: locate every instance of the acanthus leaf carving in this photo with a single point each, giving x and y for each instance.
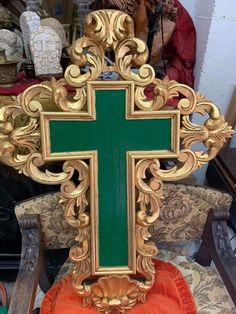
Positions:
(134, 52)
(212, 134)
(109, 27)
(85, 52)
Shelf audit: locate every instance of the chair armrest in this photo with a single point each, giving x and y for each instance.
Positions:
(31, 265)
(216, 246)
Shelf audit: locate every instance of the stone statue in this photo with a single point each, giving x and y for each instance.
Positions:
(46, 48)
(57, 27)
(29, 23)
(11, 43)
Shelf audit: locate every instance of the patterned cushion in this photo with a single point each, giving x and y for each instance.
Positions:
(182, 216)
(207, 287)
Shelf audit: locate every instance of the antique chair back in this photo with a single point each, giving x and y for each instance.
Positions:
(111, 140)
(183, 215)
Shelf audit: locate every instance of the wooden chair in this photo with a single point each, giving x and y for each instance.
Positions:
(191, 232)
(111, 143)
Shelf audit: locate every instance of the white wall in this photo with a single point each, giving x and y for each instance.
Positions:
(215, 69)
(189, 6)
(217, 76)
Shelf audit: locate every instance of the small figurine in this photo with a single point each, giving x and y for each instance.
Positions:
(11, 43)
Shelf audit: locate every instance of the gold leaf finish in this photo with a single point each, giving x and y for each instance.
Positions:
(114, 294)
(109, 27)
(17, 142)
(29, 105)
(61, 98)
(212, 134)
(130, 53)
(74, 197)
(93, 58)
(23, 145)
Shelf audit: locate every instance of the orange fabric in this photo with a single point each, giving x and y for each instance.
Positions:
(169, 295)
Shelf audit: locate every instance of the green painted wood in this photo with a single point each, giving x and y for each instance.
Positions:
(112, 136)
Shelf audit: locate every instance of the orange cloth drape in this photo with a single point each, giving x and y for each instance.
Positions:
(169, 295)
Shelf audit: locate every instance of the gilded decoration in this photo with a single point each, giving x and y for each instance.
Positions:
(22, 146)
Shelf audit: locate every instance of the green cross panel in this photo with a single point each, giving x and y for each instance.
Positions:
(112, 136)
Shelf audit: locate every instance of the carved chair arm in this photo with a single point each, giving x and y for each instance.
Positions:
(216, 246)
(31, 266)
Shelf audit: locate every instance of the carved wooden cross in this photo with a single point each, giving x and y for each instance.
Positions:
(112, 136)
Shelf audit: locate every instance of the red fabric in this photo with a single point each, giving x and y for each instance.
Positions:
(19, 86)
(169, 295)
(181, 50)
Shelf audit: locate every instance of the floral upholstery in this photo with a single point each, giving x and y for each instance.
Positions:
(184, 212)
(206, 285)
(208, 289)
(182, 216)
(56, 231)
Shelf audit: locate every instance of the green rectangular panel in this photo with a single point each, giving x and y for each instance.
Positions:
(111, 135)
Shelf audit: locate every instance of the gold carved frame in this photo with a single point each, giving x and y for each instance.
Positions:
(24, 145)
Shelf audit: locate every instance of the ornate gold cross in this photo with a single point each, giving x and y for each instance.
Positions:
(114, 138)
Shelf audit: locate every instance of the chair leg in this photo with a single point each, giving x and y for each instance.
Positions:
(203, 257)
(44, 282)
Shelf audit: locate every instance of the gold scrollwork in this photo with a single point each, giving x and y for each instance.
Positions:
(130, 53)
(81, 256)
(61, 98)
(93, 57)
(213, 133)
(163, 91)
(109, 27)
(34, 162)
(29, 105)
(17, 142)
(75, 202)
(150, 195)
(74, 197)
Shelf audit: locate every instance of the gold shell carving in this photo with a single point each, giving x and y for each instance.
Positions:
(114, 294)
